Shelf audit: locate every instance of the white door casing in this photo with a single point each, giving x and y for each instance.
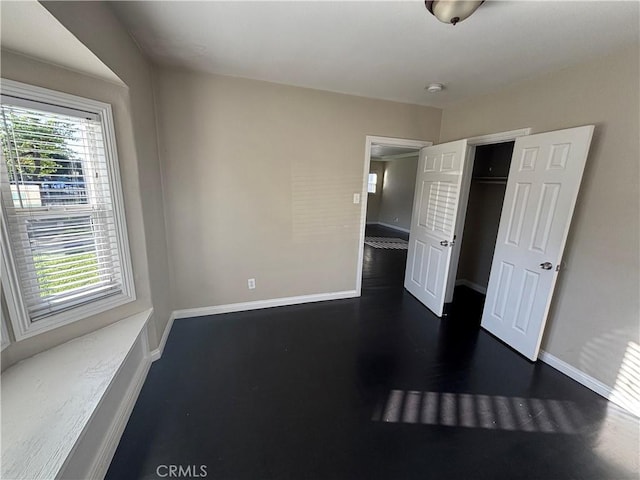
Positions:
(542, 188)
(433, 221)
(369, 142)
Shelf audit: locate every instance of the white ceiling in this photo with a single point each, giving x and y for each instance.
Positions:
(379, 151)
(387, 50)
(28, 28)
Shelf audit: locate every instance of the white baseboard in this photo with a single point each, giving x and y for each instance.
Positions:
(577, 375)
(394, 227)
(563, 367)
(275, 302)
(157, 353)
(472, 286)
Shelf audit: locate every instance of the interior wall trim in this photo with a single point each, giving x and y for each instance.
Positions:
(369, 141)
(259, 304)
(472, 285)
(578, 375)
(499, 137)
(157, 353)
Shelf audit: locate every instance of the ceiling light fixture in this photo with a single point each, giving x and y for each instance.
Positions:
(434, 87)
(452, 11)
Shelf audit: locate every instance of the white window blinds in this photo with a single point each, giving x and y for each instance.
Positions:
(57, 196)
(439, 216)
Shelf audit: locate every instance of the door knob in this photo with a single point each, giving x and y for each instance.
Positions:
(444, 243)
(546, 266)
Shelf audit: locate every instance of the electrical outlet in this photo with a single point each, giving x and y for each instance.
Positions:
(251, 283)
(356, 198)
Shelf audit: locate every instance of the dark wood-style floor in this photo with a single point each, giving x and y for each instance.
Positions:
(369, 388)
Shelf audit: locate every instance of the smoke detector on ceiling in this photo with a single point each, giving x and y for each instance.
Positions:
(434, 87)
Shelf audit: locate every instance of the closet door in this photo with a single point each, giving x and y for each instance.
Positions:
(435, 209)
(546, 170)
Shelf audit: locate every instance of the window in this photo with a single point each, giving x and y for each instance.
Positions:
(373, 181)
(65, 249)
(4, 333)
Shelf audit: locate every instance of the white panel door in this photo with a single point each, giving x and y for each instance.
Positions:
(435, 208)
(542, 188)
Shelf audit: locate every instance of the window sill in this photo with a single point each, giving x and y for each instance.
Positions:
(23, 328)
(49, 400)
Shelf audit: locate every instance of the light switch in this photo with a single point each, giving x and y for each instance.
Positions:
(356, 198)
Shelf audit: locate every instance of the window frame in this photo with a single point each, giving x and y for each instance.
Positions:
(5, 339)
(21, 323)
(374, 183)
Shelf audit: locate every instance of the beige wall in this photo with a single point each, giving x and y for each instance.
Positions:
(23, 69)
(595, 312)
(397, 192)
(480, 232)
(259, 182)
(97, 28)
(250, 194)
(373, 199)
(94, 24)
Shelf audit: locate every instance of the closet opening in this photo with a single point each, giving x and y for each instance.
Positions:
(490, 166)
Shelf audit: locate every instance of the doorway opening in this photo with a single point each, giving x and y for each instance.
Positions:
(489, 165)
(390, 192)
(389, 178)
